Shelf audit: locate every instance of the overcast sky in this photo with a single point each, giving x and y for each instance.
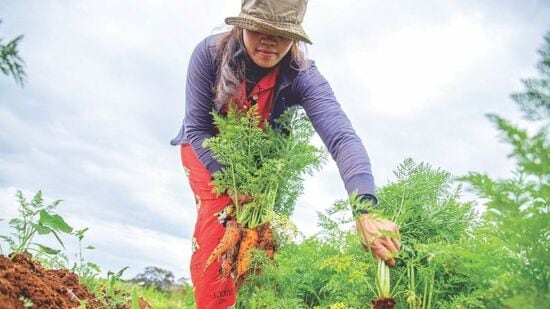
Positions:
(105, 94)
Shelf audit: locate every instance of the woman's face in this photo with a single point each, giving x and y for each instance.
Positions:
(264, 49)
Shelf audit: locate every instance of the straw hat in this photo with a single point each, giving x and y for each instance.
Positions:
(276, 17)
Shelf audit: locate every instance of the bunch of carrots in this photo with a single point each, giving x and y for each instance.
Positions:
(235, 248)
(265, 163)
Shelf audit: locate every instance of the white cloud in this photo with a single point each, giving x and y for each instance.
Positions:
(8, 203)
(410, 66)
(134, 246)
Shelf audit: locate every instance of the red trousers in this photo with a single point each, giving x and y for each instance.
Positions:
(211, 289)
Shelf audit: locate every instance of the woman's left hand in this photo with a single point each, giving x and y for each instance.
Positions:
(380, 235)
(241, 198)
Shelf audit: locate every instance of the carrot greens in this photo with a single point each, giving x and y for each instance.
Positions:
(263, 161)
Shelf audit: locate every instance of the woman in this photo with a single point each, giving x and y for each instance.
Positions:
(259, 62)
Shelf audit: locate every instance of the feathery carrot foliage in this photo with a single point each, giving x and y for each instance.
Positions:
(263, 161)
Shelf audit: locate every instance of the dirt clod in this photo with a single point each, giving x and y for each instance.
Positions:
(24, 280)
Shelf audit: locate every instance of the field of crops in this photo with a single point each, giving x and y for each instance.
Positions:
(451, 257)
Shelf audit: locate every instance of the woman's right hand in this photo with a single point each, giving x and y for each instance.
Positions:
(380, 237)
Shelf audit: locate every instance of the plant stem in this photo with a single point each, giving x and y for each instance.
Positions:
(431, 291)
(383, 279)
(424, 296)
(235, 192)
(412, 286)
(400, 206)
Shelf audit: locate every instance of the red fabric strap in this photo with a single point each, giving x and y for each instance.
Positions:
(262, 95)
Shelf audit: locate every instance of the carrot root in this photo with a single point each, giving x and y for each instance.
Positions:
(228, 243)
(249, 241)
(267, 242)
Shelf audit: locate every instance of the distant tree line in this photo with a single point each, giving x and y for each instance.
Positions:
(161, 279)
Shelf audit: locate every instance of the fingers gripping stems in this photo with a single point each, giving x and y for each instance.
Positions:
(380, 236)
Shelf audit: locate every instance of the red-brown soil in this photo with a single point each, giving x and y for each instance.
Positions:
(384, 303)
(46, 288)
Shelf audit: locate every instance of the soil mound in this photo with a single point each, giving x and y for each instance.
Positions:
(23, 280)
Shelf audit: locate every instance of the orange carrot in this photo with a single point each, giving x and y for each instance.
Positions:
(249, 241)
(228, 261)
(227, 265)
(266, 242)
(228, 242)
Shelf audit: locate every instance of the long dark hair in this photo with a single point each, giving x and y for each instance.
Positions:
(233, 65)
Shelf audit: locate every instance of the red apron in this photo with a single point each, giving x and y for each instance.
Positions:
(210, 288)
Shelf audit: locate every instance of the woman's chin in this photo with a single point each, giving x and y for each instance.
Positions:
(265, 60)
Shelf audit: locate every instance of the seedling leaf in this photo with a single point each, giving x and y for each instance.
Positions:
(93, 266)
(56, 222)
(58, 239)
(48, 250)
(41, 229)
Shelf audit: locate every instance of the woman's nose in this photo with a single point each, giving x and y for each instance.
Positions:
(268, 39)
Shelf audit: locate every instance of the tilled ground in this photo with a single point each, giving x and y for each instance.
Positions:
(22, 278)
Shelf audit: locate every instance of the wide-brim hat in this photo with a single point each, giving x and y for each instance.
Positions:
(276, 17)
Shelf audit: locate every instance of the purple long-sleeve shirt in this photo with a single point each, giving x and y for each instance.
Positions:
(307, 88)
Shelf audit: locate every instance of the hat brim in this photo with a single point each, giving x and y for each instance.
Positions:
(286, 30)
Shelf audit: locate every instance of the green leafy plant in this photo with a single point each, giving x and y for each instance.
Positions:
(82, 268)
(35, 218)
(87, 271)
(115, 296)
(518, 207)
(334, 269)
(135, 299)
(109, 292)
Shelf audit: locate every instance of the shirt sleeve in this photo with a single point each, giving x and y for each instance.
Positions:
(199, 94)
(336, 131)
